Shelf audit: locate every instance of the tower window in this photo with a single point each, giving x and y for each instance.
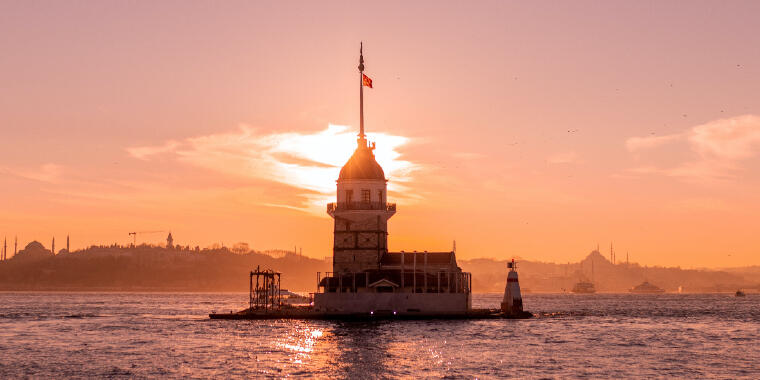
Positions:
(380, 196)
(349, 196)
(366, 196)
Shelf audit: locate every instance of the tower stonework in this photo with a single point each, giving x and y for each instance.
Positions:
(361, 213)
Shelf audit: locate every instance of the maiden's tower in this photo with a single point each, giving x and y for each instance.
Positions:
(368, 281)
(366, 277)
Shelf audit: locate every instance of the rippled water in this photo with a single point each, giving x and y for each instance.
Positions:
(168, 335)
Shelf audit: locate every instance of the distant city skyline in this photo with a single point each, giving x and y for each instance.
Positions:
(520, 130)
(243, 247)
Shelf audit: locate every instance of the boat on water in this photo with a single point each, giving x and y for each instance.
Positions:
(584, 287)
(292, 298)
(646, 288)
(740, 293)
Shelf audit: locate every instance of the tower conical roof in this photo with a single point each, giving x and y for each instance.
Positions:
(362, 165)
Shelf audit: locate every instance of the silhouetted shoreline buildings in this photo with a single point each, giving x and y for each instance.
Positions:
(147, 267)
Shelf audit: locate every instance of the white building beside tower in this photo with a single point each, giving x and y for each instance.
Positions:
(366, 277)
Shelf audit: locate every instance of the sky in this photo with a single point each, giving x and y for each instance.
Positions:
(531, 130)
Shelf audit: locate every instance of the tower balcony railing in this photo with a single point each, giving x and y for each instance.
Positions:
(349, 206)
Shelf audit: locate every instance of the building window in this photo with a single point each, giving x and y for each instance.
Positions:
(366, 196)
(380, 196)
(349, 196)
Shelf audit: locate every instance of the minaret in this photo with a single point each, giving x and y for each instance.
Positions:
(5, 249)
(169, 241)
(67, 244)
(611, 259)
(361, 211)
(52, 246)
(15, 246)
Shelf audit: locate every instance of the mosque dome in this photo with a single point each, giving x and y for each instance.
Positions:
(362, 165)
(32, 252)
(34, 246)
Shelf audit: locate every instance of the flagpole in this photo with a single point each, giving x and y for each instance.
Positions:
(361, 94)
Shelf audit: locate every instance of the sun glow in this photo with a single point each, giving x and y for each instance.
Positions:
(306, 161)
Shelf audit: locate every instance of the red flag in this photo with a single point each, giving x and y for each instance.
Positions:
(366, 81)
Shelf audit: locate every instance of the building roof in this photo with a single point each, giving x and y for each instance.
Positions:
(33, 251)
(34, 246)
(362, 165)
(385, 277)
(383, 282)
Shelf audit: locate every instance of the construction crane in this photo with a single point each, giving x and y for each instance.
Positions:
(134, 235)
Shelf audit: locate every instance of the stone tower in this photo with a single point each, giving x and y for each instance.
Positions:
(361, 212)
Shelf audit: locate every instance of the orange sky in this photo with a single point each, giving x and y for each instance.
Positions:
(524, 130)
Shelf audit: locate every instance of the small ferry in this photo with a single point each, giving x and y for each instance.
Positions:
(740, 293)
(292, 298)
(584, 287)
(646, 288)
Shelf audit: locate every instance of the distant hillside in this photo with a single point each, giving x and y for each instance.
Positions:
(149, 268)
(489, 276)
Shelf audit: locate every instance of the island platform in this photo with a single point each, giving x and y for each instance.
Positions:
(306, 313)
(367, 280)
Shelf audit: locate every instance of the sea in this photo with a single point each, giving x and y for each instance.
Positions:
(166, 335)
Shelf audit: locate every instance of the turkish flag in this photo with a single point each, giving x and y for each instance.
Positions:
(366, 81)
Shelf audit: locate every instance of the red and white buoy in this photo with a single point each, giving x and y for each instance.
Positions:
(512, 303)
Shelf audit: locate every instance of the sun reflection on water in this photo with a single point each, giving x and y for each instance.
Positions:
(300, 342)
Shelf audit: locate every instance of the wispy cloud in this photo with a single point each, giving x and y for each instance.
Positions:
(717, 147)
(145, 152)
(693, 170)
(635, 144)
(45, 173)
(729, 139)
(306, 161)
